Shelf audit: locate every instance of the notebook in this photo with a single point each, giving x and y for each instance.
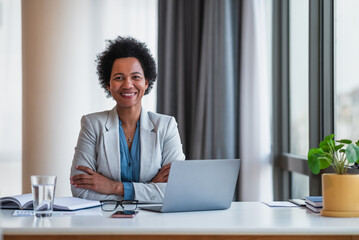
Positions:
(24, 201)
(196, 185)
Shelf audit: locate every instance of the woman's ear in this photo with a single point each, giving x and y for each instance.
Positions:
(147, 84)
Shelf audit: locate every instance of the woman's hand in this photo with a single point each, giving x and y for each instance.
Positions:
(162, 175)
(96, 182)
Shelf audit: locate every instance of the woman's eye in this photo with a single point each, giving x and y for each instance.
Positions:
(118, 78)
(136, 77)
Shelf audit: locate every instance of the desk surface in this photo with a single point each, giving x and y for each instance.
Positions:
(243, 218)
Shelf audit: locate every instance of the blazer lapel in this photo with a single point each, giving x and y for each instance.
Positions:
(148, 139)
(112, 144)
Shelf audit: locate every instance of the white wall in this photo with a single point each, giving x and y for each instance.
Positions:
(60, 41)
(10, 97)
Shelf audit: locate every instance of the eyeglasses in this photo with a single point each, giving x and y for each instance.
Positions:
(111, 205)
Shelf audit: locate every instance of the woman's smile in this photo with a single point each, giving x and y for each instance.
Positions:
(128, 94)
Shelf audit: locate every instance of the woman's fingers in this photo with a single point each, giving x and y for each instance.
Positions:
(166, 167)
(162, 175)
(81, 176)
(82, 181)
(89, 186)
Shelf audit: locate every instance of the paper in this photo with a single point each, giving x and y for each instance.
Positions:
(87, 212)
(280, 204)
(24, 201)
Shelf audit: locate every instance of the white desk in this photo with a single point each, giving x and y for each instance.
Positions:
(244, 220)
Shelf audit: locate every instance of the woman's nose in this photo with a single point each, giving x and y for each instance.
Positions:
(127, 83)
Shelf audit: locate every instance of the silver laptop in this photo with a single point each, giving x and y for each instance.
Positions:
(196, 185)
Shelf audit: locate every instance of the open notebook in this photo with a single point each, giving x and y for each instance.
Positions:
(24, 201)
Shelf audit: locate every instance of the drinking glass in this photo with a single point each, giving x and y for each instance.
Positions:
(43, 193)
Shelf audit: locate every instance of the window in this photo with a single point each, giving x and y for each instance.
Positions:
(346, 73)
(298, 76)
(10, 97)
(303, 102)
(298, 90)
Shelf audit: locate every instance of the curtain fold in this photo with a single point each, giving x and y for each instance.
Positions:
(196, 73)
(255, 105)
(211, 76)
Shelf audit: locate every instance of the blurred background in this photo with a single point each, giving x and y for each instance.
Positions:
(42, 105)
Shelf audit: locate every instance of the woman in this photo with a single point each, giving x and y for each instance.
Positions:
(125, 153)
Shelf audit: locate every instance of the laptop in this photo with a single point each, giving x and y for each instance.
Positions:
(197, 185)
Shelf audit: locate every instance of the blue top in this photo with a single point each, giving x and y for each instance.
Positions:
(130, 162)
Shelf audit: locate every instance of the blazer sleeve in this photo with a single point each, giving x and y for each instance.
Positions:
(171, 148)
(86, 155)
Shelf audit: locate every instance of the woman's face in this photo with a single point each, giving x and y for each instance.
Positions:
(127, 82)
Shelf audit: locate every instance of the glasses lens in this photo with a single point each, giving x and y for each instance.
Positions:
(129, 205)
(108, 205)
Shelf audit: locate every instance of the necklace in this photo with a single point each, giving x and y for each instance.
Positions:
(129, 139)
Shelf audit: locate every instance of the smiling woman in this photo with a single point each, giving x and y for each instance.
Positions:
(125, 153)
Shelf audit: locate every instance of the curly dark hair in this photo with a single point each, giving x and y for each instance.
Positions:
(123, 47)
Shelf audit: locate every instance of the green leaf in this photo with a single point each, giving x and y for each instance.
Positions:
(342, 150)
(313, 151)
(313, 161)
(339, 147)
(329, 137)
(352, 153)
(324, 145)
(357, 143)
(345, 141)
(324, 162)
(332, 143)
(328, 155)
(313, 164)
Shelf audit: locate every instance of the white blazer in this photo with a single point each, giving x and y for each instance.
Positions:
(98, 148)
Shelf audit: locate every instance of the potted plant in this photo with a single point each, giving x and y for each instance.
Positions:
(340, 190)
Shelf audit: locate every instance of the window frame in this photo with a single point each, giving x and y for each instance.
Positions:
(321, 91)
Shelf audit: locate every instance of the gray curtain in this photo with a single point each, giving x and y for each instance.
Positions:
(198, 74)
